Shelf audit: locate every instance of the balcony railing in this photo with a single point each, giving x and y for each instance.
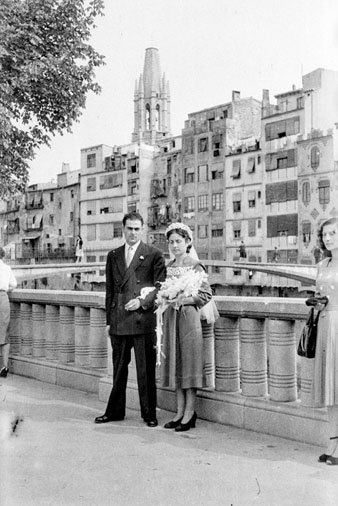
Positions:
(260, 382)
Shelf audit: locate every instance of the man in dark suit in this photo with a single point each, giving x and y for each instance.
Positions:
(131, 320)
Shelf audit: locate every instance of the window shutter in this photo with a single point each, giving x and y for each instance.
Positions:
(292, 190)
(236, 225)
(271, 226)
(251, 165)
(236, 197)
(306, 227)
(251, 228)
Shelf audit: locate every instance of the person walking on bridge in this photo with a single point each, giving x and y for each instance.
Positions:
(7, 283)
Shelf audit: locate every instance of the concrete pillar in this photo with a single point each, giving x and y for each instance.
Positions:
(208, 354)
(52, 332)
(26, 328)
(14, 328)
(306, 368)
(98, 338)
(82, 347)
(282, 360)
(66, 351)
(227, 354)
(39, 332)
(253, 357)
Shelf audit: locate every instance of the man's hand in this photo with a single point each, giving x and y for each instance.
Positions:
(133, 305)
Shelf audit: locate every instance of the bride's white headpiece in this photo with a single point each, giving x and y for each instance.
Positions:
(180, 226)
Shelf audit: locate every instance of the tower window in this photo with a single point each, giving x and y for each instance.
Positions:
(147, 117)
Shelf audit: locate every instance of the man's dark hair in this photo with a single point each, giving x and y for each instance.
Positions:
(132, 216)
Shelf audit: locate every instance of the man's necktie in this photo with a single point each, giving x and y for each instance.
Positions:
(129, 255)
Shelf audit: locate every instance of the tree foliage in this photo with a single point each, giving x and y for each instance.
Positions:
(47, 68)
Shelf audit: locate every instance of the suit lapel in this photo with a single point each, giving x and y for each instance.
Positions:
(120, 260)
(136, 261)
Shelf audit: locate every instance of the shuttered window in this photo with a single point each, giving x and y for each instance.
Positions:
(324, 191)
(251, 228)
(251, 165)
(284, 224)
(236, 169)
(283, 128)
(281, 192)
(91, 184)
(91, 232)
(91, 208)
(281, 160)
(306, 192)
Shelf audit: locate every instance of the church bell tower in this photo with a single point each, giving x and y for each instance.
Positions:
(151, 102)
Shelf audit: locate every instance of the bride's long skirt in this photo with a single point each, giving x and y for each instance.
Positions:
(183, 363)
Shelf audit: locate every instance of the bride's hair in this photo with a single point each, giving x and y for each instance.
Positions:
(330, 221)
(183, 233)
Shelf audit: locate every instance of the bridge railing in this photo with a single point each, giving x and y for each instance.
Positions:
(251, 349)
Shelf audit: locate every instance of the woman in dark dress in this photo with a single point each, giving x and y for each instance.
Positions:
(182, 367)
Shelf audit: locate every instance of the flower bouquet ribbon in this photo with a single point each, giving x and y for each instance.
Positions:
(172, 292)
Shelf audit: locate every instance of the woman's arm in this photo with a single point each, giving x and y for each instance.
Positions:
(204, 293)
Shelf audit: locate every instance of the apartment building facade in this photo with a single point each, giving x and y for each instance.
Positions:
(42, 223)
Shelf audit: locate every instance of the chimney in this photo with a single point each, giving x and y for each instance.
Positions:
(236, 95)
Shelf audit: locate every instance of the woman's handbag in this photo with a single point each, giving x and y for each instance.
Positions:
(307, 342)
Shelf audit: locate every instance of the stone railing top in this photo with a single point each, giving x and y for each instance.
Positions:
(280, 308)
(231, 306)
(59, 297)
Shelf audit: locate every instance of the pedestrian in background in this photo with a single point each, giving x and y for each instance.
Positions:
(7, 283)
(131, 319)
(325, 378)
(78, 249)
(275, 255)
(242, 251)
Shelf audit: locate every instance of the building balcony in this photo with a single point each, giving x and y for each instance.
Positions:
(260, 383)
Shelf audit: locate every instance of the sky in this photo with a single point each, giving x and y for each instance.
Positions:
(207, 49)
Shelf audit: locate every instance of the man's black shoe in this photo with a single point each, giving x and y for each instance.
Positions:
(152, 423)
(106, 419)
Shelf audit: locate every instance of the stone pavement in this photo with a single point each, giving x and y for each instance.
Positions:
(52, 453)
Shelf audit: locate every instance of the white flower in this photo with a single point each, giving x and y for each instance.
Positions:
(175, 288)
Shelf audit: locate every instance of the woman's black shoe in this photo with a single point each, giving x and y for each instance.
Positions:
(173, 424)
(182, 427)
(3, 372)
(323, 457)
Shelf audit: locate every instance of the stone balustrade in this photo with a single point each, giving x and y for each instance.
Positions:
(60, 337)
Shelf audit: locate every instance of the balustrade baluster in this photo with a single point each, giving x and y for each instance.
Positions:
(14, 328)
(282, 360)
(306, 375)
(82, 344)
(26, 328)
(208, 353)
(52, 332)
(39, 333)
(227, 354)
(253, 357)
(98, 338)
(66, 351)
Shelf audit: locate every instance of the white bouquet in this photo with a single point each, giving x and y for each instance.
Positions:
(172, 292)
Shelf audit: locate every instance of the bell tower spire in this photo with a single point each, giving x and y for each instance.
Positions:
(151, 102)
